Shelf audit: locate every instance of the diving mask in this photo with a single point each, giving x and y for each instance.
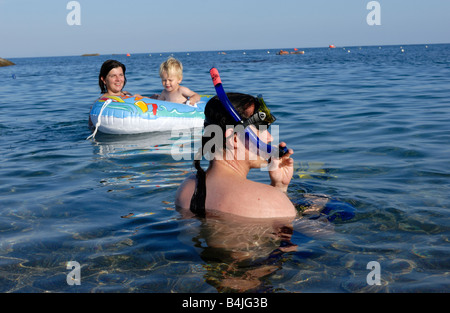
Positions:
(262, 116)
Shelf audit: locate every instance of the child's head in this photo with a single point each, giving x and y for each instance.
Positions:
(171, 73)
(172, 67)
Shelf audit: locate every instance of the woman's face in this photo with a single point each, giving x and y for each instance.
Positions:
(114, 81)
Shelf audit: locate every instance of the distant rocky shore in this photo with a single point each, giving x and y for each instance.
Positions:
(4, 62)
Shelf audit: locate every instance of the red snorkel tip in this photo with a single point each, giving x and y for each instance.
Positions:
(215, 76)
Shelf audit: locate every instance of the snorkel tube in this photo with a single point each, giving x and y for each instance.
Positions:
(261, 146)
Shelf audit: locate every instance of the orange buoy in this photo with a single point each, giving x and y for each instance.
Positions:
(332, 46)
(128, 55)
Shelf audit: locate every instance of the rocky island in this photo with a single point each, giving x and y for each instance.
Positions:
(4, 62)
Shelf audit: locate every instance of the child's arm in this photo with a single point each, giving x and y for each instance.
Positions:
(161, 96)
(192, 96)
(155, 96)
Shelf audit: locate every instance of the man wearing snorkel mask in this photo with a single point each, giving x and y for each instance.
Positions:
(224, 186)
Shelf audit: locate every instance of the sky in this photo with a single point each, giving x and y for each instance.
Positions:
(35, 28)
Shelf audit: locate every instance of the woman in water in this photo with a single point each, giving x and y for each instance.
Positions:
(224, 186)
(112, 79)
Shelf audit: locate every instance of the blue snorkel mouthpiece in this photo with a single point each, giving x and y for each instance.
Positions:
(261, 146)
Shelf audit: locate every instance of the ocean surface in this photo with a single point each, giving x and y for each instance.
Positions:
(370, 127)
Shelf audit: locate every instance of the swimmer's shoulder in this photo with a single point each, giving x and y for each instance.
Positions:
(254, 200)
(185, 192)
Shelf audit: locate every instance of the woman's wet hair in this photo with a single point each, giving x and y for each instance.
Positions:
(216, 114)
(104, 71)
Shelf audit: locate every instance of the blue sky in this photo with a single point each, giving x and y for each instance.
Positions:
(40, 28)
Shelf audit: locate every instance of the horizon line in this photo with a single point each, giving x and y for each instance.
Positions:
(93, 54)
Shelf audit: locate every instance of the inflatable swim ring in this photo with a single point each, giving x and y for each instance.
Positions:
(135, 115)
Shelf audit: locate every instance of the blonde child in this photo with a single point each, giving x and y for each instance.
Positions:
(171, 73)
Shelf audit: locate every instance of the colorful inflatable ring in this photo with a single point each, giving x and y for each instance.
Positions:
(135, 115)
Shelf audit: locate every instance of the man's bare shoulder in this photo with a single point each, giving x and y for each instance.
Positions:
(269, 194)
(253, 199)
(241, 197)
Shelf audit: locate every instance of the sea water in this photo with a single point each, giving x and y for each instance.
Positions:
(371, 134)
